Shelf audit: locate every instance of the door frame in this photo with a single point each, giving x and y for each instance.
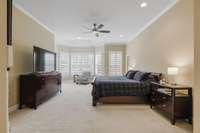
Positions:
(196, 90)
(5, 40)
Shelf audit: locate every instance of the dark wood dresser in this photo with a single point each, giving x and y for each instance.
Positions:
(173, 101)
(35, 88)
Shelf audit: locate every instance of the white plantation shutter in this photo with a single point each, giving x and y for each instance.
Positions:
(115, 63)
(82, 61)
(64, 64)
(99, 65)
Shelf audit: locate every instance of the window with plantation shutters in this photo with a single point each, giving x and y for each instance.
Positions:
(115, 63)
(81, 62)
(99, 64)
(99, 61)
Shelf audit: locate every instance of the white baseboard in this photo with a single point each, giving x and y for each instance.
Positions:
(13, 108)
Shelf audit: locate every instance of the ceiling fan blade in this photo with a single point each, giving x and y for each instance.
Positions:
(104, 31)
(87, 32)
(100, 26)
(85, 27)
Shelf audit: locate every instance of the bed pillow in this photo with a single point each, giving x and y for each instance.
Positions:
(140, 76)
(154, 77)
(130, 74)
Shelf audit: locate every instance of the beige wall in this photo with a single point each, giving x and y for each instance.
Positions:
(3, 73)
(197, 69)
(26, 33)
(167, 42)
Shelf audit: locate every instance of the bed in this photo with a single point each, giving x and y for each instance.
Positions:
(133, 84)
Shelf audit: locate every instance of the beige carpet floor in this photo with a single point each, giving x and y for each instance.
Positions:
(71, 112)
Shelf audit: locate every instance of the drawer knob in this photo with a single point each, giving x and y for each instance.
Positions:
(164, 105)
(153, 99)
(164, 98)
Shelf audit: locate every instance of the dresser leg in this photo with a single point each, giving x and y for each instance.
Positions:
(173, 121)
(173, 93)
(190, 120)
(35, 107)
(94, 104)
(20, 106)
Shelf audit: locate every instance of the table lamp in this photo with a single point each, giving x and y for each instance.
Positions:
(172, 71)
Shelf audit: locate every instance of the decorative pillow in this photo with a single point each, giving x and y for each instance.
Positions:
(140, 76)
(130, 74)
(154, 77)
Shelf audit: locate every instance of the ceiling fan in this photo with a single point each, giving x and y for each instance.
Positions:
(96, 29)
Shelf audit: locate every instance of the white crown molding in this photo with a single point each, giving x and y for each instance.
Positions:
(154, 20)
(16, 5)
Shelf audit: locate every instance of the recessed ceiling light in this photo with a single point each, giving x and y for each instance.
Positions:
(143, 4)
(121, 35)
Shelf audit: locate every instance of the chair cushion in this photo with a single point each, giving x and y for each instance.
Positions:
(140, 76)
(130, 74)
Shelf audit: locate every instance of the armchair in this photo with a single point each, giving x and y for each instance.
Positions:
(84, 78)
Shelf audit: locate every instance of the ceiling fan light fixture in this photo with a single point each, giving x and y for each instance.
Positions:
(96, 34)
(143, 4)
(97, 29)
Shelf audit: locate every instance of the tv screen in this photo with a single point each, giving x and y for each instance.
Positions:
(43, 60)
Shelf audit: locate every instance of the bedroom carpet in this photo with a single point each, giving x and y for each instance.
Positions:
(71, 112)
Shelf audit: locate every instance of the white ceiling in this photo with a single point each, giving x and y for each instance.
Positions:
(66, 18)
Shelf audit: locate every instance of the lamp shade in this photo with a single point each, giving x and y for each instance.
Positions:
(131, 67)
(172, 70)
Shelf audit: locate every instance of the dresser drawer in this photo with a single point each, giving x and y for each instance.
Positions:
(157, 96)
(165, 106)
(161, 101)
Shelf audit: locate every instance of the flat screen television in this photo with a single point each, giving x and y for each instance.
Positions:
(43, 60)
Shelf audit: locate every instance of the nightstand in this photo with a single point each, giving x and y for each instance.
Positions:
(173, 101)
